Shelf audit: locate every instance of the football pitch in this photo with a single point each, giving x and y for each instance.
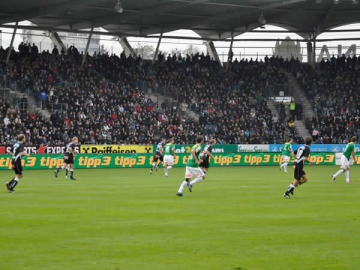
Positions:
(127, 219)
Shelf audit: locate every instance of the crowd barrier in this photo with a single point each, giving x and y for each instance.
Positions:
(92, 161)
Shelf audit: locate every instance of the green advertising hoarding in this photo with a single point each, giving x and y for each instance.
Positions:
(224, 148)
(86, 161)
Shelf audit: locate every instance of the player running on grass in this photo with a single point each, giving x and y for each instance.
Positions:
(346, 159)
(286, 152)
(169, 155)
(301, 156)
(193, 167)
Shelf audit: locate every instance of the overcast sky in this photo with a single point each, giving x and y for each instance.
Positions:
(241, 49)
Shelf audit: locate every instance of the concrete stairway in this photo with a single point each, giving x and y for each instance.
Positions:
(272, 106)
(34, 104)
(160, 99)
(300, 97)
(301, 128)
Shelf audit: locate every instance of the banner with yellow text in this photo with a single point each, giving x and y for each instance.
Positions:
(90, 161)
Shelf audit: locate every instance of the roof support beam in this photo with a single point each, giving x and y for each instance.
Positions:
(54, 36)
(230, 54)
(212, 51)
(325, 19)
(157, 48)
(87, 48)
(11, 43)
(126, 46)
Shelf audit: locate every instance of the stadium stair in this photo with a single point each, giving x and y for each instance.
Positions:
(33, 104)
(308, 111)
(272, 106)
(160, 99)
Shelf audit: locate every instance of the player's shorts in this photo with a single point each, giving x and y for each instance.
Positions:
(168, 159)
(205, 163)
(193, 171)
(17, 167)
(285, 158)
(158, 156)
(69, 159)
(298, 172)
(345, 163)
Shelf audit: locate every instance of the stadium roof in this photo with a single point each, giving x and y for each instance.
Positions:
(215, 19)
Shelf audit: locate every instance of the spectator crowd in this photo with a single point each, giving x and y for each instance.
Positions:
(331, 89)
(109, 100)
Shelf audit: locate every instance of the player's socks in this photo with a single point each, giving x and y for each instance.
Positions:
(182, 186)
(338, 173)
(169, 167)
(59, 169)
(290, 189)
(347, 176)
(13, 183)
(66, 171)
(196, 180)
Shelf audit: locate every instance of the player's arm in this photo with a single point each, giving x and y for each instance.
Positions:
(193, 153)
(72, 151)
(208, 154)
(173, 152)
(353, 156)
(306, 159)
(24, 154)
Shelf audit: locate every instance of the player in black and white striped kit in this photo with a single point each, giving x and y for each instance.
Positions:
(158, 155)
(301, 156)
(17, 151)
(69, 158)
(206, 155)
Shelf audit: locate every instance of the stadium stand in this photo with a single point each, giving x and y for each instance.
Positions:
(102, 102)
(330, 89)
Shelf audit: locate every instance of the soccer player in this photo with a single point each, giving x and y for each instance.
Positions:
(206, 155)
(169, 155)
(69, 158)
(158, 155)
(301, 156)
(193, 167)
(17, 152)
(286, 151)
(345, 160)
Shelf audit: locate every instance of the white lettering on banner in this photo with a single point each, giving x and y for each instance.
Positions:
(253, 148)
(44, 149)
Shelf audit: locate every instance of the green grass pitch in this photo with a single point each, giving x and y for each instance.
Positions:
(127, 219)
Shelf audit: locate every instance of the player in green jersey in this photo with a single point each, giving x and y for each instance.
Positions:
(169, 155)
(347, 158)
(193, 167)
(286, 151)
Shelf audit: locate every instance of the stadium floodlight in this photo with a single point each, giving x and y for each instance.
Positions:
(262, 19)
(318, 1)
(355, 1)
(118, 7)
(336, 2)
